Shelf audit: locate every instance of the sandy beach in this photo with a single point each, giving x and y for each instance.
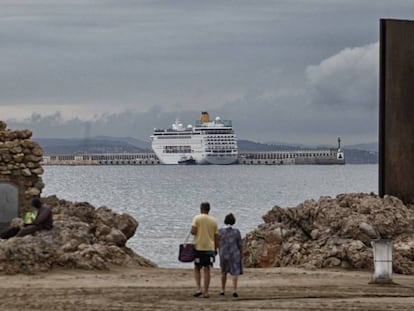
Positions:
(171, 289)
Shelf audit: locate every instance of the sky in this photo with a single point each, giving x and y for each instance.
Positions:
(293, 71)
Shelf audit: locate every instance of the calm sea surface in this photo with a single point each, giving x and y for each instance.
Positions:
(164, 199)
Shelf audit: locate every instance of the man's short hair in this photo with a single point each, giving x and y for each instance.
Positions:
(205, 206)
(230, 219)
(36, 203)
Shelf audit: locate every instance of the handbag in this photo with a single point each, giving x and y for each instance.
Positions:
(186, 251)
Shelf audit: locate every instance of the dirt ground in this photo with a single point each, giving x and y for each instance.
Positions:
(171, 289)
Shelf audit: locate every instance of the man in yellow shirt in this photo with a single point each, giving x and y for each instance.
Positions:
(205, 231)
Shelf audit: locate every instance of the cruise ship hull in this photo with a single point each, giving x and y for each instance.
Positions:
(221, 160)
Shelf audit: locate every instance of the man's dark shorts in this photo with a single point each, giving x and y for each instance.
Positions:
(204, 259)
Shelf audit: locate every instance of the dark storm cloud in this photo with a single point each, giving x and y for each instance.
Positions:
(282, 70)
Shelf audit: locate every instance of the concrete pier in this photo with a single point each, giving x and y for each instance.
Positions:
(102, 159)
(323, 156)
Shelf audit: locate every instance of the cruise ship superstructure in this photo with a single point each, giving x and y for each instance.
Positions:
(208, 142)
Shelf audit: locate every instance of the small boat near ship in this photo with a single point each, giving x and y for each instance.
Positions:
(187, 161)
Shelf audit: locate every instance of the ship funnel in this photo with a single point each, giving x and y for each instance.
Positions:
(204, 117)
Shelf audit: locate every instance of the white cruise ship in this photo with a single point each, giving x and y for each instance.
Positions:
(208, 142)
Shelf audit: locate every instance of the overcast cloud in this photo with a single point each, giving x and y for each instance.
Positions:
(303, 71)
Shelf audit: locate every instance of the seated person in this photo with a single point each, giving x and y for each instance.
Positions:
(43, 221)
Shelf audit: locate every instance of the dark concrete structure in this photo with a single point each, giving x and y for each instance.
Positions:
(396, 127)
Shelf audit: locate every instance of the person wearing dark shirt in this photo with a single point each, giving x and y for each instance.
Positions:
(231, 253)
(43, 220)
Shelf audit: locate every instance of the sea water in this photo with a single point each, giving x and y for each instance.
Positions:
(164, 199)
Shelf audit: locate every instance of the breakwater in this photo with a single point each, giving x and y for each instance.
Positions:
(320, 156)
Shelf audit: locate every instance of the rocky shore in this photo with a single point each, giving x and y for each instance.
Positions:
(83, 237)
(333, 232)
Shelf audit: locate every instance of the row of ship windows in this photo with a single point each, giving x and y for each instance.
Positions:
(215, 132)
(221, 150)
(174, 137)
(187, 149)
(177, 149)
(220, 147)
(229, 140)
(165, 133)
(225, 143)
(221, 136)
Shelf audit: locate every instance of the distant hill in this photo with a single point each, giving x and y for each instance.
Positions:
(92, 145)
(247, 145)
(144, 145)
(355, 154)
(367, 147)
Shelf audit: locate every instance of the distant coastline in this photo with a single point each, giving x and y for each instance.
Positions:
(355, 154)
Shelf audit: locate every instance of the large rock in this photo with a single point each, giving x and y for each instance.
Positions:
(333, 232)
(83, 237)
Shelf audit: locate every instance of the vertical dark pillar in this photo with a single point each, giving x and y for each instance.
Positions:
(396, 128)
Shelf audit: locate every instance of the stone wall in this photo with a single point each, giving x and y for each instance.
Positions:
(20, 159)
